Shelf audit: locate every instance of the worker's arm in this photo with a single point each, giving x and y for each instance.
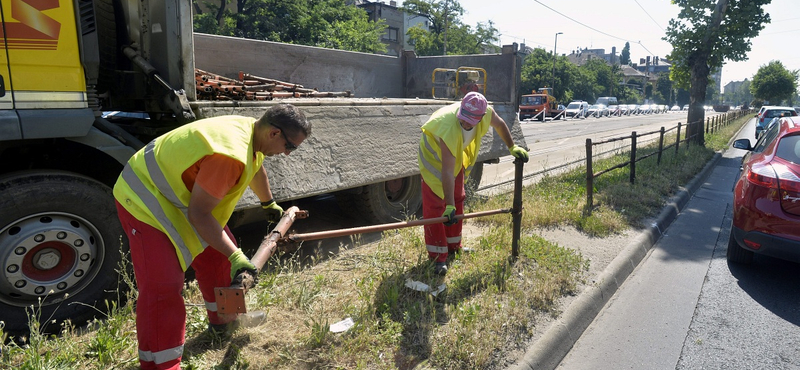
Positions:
(260, 186)
(505, 134)
(501, 128)
(201, 203)
(448, 178)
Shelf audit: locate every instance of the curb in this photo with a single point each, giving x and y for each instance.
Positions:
(557, 341)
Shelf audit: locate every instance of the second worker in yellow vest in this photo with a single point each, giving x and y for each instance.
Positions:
(449, 147)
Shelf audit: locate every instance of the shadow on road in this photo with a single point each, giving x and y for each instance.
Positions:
(773, 283)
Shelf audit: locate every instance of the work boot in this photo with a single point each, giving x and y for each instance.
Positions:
(440, 268)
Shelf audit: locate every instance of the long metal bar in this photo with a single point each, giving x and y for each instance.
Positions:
(389, 226)
(230, 300)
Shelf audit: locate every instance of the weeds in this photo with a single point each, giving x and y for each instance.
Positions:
(491, 304)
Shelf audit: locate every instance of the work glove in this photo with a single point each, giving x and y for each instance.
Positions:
(240, 263)
(450, 213)
(519, 152)
(274, 211)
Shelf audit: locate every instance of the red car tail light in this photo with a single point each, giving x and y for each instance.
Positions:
(763, 175)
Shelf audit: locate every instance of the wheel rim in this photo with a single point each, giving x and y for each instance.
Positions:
(52, 255)
(397, 190)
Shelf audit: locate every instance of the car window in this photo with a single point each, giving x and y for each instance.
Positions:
(768, 136)
(771, 113)
(573, 106)
(789, 148)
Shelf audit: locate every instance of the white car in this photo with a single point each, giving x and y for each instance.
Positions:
(577, 109)
(597, 110)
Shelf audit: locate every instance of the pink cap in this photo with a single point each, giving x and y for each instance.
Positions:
(473, 107)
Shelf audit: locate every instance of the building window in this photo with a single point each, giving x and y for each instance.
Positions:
(391, 34)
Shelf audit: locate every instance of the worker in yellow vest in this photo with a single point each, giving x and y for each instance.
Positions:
(448, 150)
(174, 198)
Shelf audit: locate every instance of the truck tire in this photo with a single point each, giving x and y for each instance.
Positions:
(737, 254)
(385, 202)
(61, 244)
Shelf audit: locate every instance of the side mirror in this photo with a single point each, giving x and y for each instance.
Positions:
(742, 144)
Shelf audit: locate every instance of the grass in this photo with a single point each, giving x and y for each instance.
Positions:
(491, 306)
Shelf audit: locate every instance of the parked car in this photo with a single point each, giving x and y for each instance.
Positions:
(613, 110)
(624, 110)
(577, 109)
(761, 126)
(597, 110)
(686, 107)
(766, 198)
(675, 108)
(770, 112)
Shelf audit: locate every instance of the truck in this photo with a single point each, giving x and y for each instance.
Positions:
(69, 62)
(540, 104)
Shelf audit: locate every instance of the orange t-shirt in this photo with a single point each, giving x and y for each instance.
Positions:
(215, 173)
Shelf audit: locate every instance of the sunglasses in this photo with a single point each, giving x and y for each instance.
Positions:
(290, 147)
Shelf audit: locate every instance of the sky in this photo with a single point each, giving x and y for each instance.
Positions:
(603, 24)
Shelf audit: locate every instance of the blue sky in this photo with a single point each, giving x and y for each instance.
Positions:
(603, 24)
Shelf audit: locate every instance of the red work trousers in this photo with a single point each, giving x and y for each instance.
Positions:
(440, 239)
(160, 310)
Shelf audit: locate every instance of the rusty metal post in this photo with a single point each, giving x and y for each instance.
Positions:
(516, 210)
(633, 157)
(660, 145)
(678, 142)
(589, 178)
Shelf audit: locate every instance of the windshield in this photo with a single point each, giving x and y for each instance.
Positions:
(574, 105)
(531, 100)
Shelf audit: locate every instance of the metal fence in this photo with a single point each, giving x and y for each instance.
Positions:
(712, 124)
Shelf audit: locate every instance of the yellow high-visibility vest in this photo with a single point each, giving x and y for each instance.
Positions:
(151, 189)
(444, 125)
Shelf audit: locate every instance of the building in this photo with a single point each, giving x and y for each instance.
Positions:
(397, 21)
(580, 57)
(733, 86)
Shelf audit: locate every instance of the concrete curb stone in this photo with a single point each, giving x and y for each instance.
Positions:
(548, 351)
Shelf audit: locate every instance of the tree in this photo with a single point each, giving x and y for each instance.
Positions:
(625, 55)
(703, 37)
(664, 89)
(447, 35)
(323, 23)
(774, 83)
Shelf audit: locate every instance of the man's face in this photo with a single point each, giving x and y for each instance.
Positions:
(466, 126)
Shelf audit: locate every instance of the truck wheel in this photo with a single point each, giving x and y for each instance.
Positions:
(60, 244)
(737, 254)
(385, 202)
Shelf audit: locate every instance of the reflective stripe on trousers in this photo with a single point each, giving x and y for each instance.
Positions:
(440, 239)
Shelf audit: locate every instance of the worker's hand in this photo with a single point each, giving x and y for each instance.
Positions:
(450, 213)
(240, 263)
(274, 211)
(519, 152)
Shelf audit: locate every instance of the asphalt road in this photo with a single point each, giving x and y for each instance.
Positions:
(685, 307)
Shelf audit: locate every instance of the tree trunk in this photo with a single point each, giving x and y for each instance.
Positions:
(697, 96)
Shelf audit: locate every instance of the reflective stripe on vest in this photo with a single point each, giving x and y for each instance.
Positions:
(152, 204)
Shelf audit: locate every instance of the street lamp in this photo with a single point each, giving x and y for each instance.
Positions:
(555, 44)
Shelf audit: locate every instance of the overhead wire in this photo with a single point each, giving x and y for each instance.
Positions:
(594, 29)
(648, 14)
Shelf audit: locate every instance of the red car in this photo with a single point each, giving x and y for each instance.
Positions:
(766, 199)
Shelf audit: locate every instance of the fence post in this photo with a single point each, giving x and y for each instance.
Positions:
(589, 178)
(633, 157)
(678, 142)
(516, 216)
(660, 145)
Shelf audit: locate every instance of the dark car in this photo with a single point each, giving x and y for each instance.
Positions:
(766, 198)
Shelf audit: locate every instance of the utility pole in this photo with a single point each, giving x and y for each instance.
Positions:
(555, 54)
(445, 27)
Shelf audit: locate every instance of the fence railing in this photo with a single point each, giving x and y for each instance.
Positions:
(712, 124)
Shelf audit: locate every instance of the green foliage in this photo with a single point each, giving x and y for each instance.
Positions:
(322, 23)
(448, 35)
(586, 82)
(774, 83)
(698, 38)
(625, 55)
(664, 89)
